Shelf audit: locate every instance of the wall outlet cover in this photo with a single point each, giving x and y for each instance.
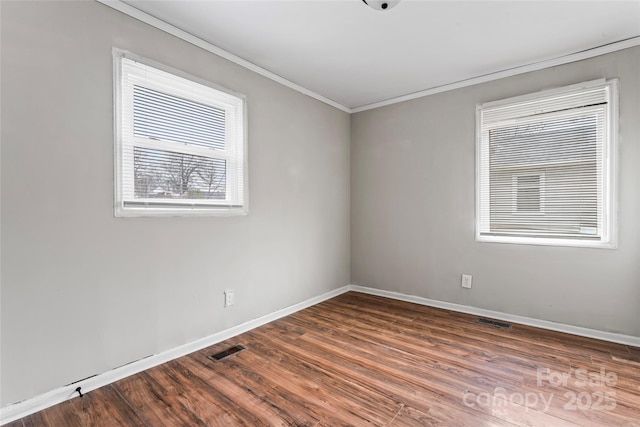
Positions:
(467, 279)
(229, 298)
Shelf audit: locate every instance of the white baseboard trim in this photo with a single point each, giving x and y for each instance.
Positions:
(544, 324)
(59, 395)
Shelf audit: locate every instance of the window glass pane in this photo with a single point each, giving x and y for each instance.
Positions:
(553, 141)
(565, 151)
(528, 193)
(157, 115)
(168, 175)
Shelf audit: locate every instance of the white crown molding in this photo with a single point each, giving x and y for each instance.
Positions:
(543, 324)
(561, 60)
(190, 38)
(59, 395)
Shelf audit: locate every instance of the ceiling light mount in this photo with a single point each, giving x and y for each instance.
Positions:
(381, 4)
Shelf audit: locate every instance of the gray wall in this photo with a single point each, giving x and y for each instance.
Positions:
(412, 209)
(84, 292)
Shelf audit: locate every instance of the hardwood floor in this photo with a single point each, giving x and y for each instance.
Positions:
(361, 360)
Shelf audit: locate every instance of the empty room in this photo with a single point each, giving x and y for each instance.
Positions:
(319, 213)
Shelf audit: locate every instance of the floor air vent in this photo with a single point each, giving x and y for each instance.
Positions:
(228, 352)
(494, 323)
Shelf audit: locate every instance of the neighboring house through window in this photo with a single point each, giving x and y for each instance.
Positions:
(546, 167)
(528, 193)
(180, 143)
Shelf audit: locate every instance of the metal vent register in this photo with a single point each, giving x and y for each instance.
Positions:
(494, 323)
(228, 352)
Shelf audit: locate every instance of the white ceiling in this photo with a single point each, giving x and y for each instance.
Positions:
(355, 56)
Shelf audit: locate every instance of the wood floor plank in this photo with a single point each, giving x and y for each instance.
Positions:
(262, 412)
(154, 403)
(36, 420)
(63, 414)
(324, 392)
(247, 373)
(359, 360)
(331, 366)
(104, 407)
(187, 394)
(411, 417)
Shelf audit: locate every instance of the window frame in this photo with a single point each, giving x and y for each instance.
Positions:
(609, 197)
(175, 207)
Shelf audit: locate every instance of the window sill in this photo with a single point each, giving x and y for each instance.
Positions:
(547, 242)
(128, 212)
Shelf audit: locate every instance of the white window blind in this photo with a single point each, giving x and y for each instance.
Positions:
(545, 166)
(180, 146)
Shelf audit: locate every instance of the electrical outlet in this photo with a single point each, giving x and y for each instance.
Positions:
(229, 297)
(466, 281)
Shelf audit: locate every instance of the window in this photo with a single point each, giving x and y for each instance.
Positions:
(528, 193)
(546, 167)
(180, 143)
